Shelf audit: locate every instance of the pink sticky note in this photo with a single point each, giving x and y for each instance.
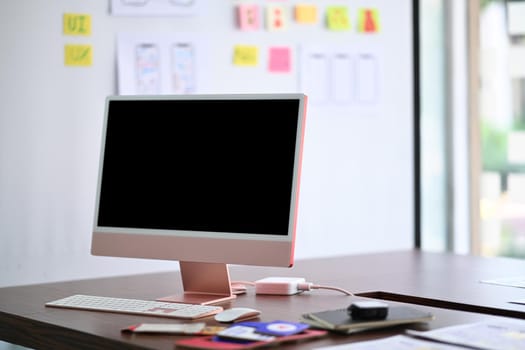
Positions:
(280, 60)
(249, 17)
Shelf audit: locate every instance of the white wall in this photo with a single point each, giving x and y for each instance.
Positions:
(357, 182)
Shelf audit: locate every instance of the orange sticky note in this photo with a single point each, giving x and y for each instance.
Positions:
(338, 18)
(247, 56)
(279, 60)
(306, 14)
(77, 24)
(368, 21)
(275, 18)
(78, 55)
(248, 17)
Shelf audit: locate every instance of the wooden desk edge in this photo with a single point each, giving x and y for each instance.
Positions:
(443, 304)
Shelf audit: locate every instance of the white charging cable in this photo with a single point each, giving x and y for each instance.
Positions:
(286, 286)
(307, 286)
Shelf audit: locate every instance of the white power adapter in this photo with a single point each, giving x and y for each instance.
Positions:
(280, 285)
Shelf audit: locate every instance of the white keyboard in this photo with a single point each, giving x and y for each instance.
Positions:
(135, 306)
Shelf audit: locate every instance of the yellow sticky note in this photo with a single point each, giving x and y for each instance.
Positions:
(245, 55)
(78, 55)
(77, 24)
(306, 14)
(368, 21)
(337, 18)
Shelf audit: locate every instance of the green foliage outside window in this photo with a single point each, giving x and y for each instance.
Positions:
(494, 145)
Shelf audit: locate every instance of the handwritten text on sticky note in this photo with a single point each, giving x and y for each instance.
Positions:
(249, 17)
(338, 18)
(244, 55)
(77, 24)
(78, 55)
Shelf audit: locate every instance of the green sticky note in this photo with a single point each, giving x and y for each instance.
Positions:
(338, 18)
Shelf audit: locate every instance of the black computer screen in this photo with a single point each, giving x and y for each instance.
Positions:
(199, 165)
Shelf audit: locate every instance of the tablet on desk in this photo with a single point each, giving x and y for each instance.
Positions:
(340, 320)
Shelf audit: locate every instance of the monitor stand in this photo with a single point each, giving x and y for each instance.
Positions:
(203, 283)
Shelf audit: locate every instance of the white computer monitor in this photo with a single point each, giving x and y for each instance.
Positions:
(207, 180)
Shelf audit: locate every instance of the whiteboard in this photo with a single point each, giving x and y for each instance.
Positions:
(358, 179)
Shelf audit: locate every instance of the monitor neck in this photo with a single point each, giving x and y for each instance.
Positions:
(203, 283)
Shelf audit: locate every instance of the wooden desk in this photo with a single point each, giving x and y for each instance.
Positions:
(26, 321)
(432, 279)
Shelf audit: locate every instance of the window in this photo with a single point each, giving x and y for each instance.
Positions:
(502, 128)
